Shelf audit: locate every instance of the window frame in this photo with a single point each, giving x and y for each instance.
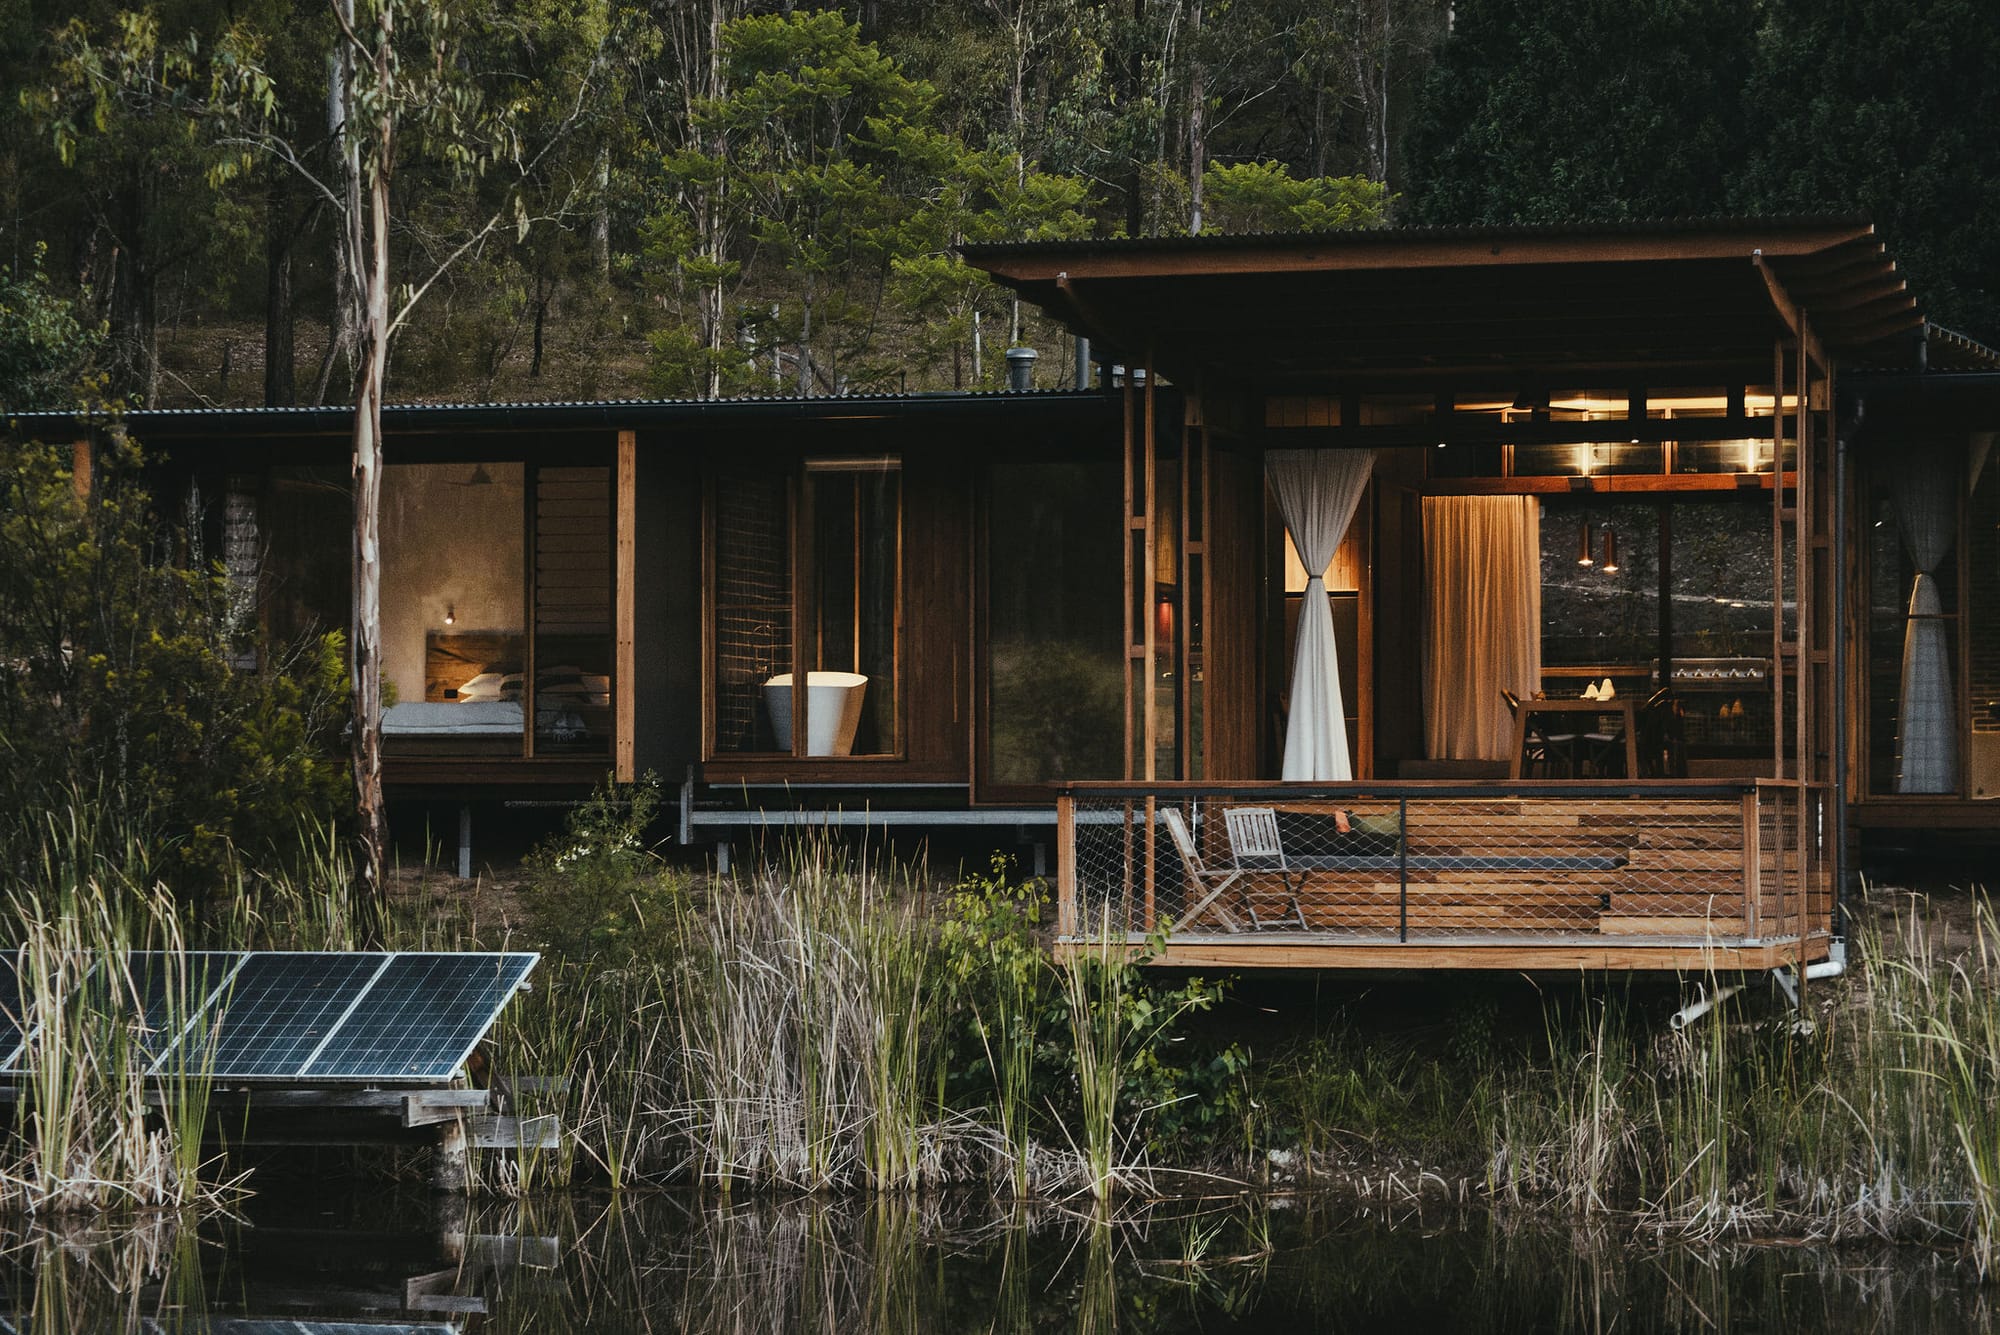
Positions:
(799, 467)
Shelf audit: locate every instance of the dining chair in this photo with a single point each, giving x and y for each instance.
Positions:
(1255, 845)
(1541, 751)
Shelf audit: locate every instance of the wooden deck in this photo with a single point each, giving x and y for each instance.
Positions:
(1544, 876)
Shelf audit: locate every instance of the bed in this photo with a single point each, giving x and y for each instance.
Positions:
(474, 700)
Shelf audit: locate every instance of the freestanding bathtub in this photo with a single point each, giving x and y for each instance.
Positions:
(833, 710)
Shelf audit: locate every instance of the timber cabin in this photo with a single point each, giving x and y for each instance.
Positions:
(1528, 598)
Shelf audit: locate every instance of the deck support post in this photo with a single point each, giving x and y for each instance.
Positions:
(465, 841)
(449, 1172)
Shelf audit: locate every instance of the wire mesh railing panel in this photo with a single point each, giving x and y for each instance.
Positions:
(1710, 865)
(1795, 859)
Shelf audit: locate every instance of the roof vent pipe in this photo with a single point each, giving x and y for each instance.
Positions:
(1020, 369)
(1082, 362)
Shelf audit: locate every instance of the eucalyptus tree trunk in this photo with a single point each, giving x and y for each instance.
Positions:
(281, 388)
(340, 333)
(368, 235)
(1197, 122)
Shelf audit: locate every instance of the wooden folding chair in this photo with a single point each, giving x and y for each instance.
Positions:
(1207, 882)
(1254, 845)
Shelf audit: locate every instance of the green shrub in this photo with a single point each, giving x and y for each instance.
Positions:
(599, 892)
(122, 682)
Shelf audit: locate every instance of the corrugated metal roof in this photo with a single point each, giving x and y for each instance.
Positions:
(617, 413)
(1383, 236)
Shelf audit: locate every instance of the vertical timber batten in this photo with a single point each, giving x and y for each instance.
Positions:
(1130, 521)
(1150, 623)
(1144, 607)
(624, 593)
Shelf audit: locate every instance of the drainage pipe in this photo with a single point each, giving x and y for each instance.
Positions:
(1701, 1006)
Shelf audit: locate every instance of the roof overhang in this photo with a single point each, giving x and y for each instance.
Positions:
(1644, 300)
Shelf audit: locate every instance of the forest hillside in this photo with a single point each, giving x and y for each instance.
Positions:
(603, 198)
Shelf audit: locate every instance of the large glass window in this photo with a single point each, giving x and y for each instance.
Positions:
(571, 663)
(752, 632)
(496, 610)
(1600, 588)
(454, 608)
(307, 517)
(856, 510)
(1896, 628)
(1721, 625)
(1982, 620)
(1612, 607)
(817, 581)
(1055, 659)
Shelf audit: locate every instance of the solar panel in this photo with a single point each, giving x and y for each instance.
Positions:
(277, 1011)
(172, 994)
(10, 1012)
(421, 1018)
(295, 1015)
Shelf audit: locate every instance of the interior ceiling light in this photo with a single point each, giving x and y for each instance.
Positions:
(1583, 556)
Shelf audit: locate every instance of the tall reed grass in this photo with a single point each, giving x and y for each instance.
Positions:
(1878, 1119)
(805, 1028)
(94, 1130)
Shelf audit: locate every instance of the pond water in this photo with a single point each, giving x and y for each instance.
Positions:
(660, 1263)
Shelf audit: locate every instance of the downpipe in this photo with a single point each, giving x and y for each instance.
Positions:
(1834, 965)
(1702, 1005)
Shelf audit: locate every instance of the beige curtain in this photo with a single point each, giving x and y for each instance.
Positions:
(1483, 623)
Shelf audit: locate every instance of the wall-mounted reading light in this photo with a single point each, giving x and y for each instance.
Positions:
(450, 615)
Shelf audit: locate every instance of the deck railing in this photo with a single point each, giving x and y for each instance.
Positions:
(1736, 863)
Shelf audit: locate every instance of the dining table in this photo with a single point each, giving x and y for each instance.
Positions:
(1619, 705)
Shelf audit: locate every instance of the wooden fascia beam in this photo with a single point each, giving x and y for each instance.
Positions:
(1857, 296)
(1788, 310)
(1862, 252)
(1903, 322)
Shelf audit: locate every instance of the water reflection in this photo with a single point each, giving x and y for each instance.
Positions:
(661, 1263)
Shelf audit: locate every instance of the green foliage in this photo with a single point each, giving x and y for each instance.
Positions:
(1038, 1040)
(814, 212)
(1674, 108)
(140, 683)
(599, 894)
(1582, 109)
(45, 348)
(1264, 197)
(1847, 111)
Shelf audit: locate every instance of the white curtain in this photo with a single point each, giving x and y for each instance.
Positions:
(1926, 732)
(1483, 624)
(1317, 491)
